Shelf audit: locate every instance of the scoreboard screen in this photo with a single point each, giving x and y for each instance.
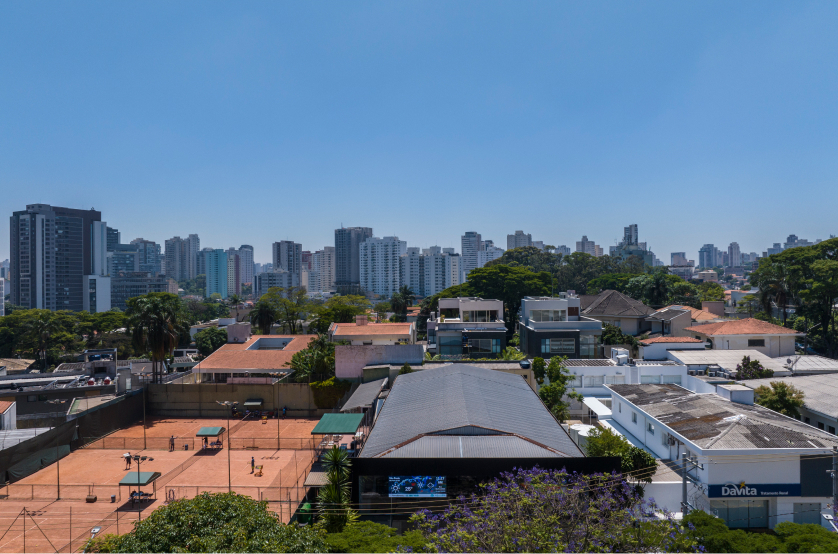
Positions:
(417, 487)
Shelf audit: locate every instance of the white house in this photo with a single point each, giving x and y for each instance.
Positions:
(741, 334)
(657, 348)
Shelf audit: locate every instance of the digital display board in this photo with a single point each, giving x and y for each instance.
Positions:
(417, 487)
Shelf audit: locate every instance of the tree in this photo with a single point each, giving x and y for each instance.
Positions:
(209, 340)
(339, 309)
(405, 369)
(334, 499)
(41, 330)
(263, 315)
(226, 522)
(613, 335)
(400, 302)
(291, 304)
(233, 301)
(512, 354)
(367, 536)
(315, 362)
(634, 461)
(538, 367)
(652, 289)
(751, 369)
(610, 281)
(780, 397)
(381, 309)
(154, 322)
(553, 511)
(509, 284)
(554, 393)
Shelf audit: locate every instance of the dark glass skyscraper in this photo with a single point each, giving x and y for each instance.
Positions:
(348, 258)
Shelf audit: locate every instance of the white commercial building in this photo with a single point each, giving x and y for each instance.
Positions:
(379, 262)
(752, 467)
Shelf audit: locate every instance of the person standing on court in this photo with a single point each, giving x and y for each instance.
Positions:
(127, 457)
(172, 444)
(284, 411)
(252, 464)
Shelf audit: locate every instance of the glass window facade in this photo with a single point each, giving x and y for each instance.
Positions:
(594, 380)
(671, 379)
(478, 316)
(450, 346)
(740, 513)
(484, 346)
(588, 346)
(650, 379)
(548, 315)
(558, 346)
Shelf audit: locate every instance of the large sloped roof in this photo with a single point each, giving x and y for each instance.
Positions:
(613, 303)
(460, 400)
(820, 392)
(712, 422)
(748, 326)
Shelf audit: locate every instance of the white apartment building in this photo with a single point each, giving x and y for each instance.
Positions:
(431, 271)
(246, 262)
(486, 256)
(471, 243)
(588, 247)
(321, 278)
(379, 265)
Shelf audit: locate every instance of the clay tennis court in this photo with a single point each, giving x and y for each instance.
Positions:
(98, 468)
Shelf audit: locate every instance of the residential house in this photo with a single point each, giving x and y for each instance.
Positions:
(772, 340)
(467, 327)
(553, 326)
(361, 332)
(615, 308)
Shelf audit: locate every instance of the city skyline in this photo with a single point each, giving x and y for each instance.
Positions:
(180, 120)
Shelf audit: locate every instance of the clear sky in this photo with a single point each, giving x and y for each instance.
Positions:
(251, 122)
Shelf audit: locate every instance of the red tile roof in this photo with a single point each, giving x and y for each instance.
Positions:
(670, 340)
(747, 326)
(5, 405)
(695, 313)
(353, 330)
(237, 356)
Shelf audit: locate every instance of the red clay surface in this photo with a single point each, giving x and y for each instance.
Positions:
(98, 469)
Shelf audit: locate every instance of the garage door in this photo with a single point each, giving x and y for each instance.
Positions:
(807, 512)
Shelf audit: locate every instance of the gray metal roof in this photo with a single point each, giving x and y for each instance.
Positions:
(726, 359)
(590, 363)
(364, 395)
(488, 446)
(14, 436)
(711, 422)
(820, 392)
(810, 363)
(667, 314)
(463, 400)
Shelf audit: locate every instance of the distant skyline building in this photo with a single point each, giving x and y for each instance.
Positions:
(734, 256)
(113, 238)
(149, 254)
(322, 275)
(588, 247)
(123, 258)
(181, 257)
(379, 265)
(488, 254)
(234, 277)
(287, 255)
(267, 280)
(519, 240)
(470, 244)
(215, 262)
(709, 256)
(348, 259)
(430, 271)
(246, 263)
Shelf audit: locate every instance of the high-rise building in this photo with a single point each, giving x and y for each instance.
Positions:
(630, 236)
(431, 271)
(519, 240)
(123, 258)
(113, 238)
(306, 259)
(216, 265)
(53, 254)
(348, 259)
(563, 250)
(470, 244)
(775, 249)
(288, 256)
(793, 241)
(734, 257)
(379, 265)
(177, 255)
(588, 247)
(131, 284)
(246, 263)
(489, 254)
(267, 280)
(193, 246)
(149, 254)
(709, 256)
(322, 276)
(679, 259)
(538, 244)
(234, 277)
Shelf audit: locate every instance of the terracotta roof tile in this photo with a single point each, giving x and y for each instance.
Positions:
(747, 326)
(5, 405)
(236, 356)
(353, 330)
(670, 339)
(696, 314)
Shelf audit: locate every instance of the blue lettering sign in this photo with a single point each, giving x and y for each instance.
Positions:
(748, 490)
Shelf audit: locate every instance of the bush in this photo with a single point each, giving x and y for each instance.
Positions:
(329, 392)
(226, 522)
(366, 536)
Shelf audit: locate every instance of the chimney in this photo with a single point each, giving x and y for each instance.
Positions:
(715, 307)
(360, 320)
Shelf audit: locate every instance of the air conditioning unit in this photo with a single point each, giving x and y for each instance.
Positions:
(670, 441)
(693, 372)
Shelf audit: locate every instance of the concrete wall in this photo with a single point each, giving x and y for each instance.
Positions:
(658, 350)
(775, 346)
(350, 360)
(191, 400)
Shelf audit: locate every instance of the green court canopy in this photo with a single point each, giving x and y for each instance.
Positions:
(253, 403)
(210, 432)
(132, 479)
(338, 424)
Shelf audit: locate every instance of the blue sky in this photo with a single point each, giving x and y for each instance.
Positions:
(255, 122)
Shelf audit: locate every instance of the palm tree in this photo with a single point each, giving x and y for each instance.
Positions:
(235, 300)
(263, 315)
(154, 321)
(401, 300)
(334, 498)
(40, 329)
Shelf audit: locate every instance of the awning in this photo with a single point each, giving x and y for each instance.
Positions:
(253, 403)
(364, 395)
(143, 478)
(210, 432)
(338, 424)
(318, 477)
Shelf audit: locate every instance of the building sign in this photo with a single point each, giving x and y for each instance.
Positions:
(421, 487)
(747, 490)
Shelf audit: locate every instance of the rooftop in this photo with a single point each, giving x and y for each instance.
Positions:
(246, 355)
(379, 329)
(819, 391)
(713, 423)
(695, 313)
(748, 326)
(15, 364)
(670, 339)
(613, 303)
(725, 359)
(667, 314)
(497, 414)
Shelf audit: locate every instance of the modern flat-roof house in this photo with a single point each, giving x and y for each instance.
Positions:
(615, 308)
(755, 467)
(656, 348)
(553, 327)
(361, 332)
(442, 431)
(467, 327)
(772, 340)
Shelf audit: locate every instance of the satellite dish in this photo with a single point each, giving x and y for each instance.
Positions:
(788, 360)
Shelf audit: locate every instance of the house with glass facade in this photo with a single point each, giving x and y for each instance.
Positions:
(467, 327)
(553, 326)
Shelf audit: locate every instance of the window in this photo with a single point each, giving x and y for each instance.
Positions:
(634, 417)
(832, 429)
(548, 315)
(615, 380)
(588, 346)
(594, 380)
(558, 346)
(650, 379)
(31, 398)
(756, 342)
(664, 439)
(577, 381)
(805, 420)
(650, 428)
(616, 323)
(820, 425)
(484, 346)
(620, 407)
(671, 379)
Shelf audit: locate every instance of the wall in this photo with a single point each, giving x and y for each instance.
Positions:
(775, 346)
(200, 400)
(658, 350)
(8, 420)
(350, 360)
